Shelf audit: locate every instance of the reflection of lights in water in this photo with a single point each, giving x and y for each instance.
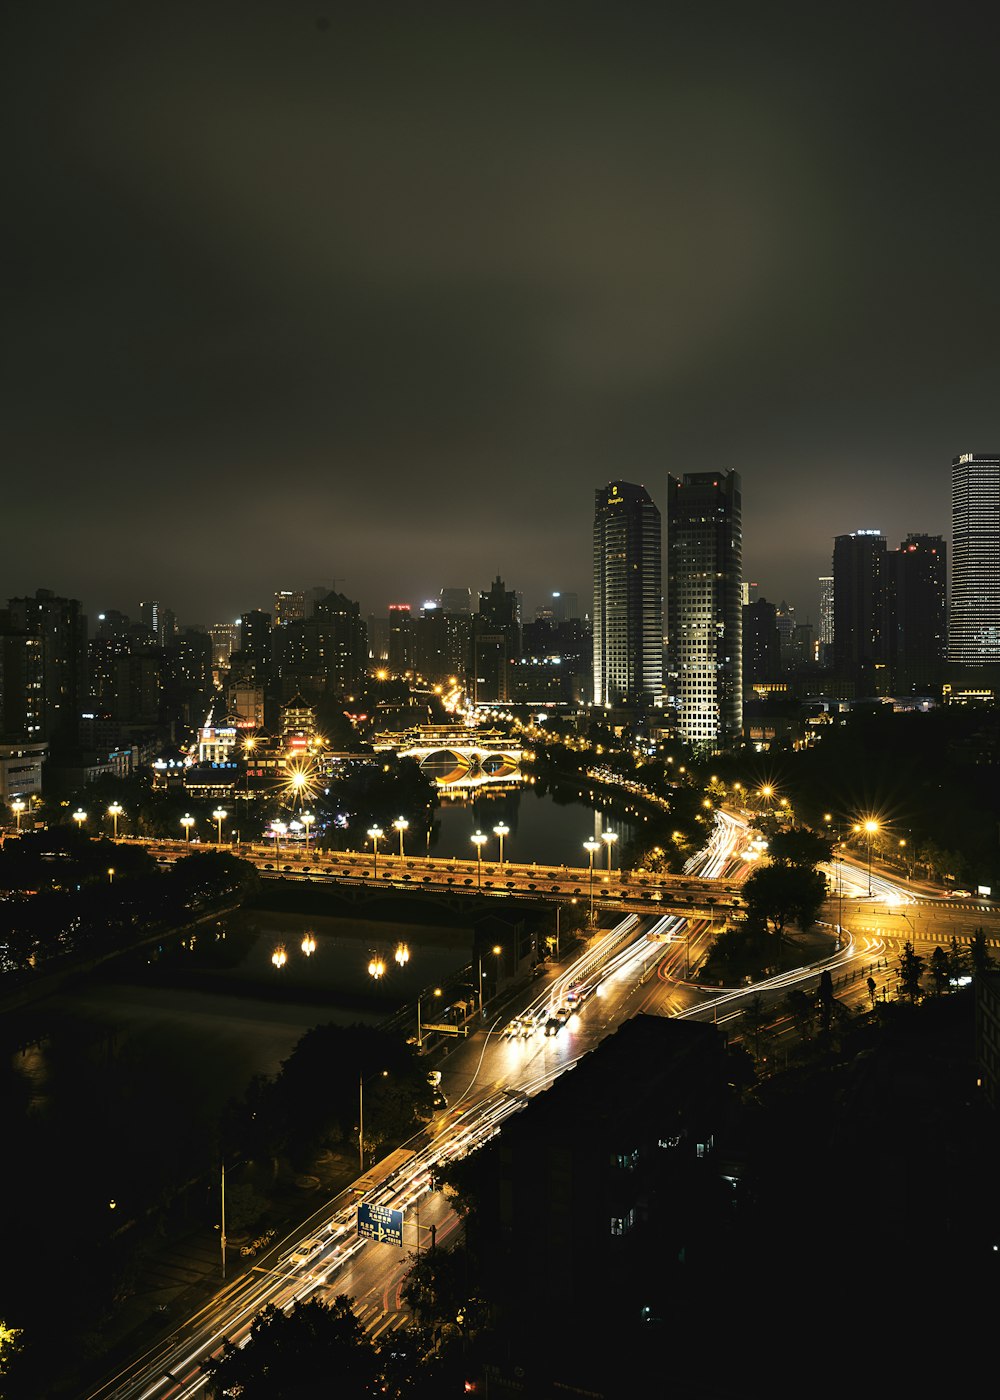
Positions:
(308, 945)
(279, 957)
(376, 968)
(402, 954)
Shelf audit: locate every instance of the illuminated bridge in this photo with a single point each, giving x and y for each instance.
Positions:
(467, 765)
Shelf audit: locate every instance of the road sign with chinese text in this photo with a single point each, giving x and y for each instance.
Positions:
(380, 1224)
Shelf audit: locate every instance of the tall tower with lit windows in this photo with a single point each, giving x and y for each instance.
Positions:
(628, 598)
(974, 616)
(704, 604)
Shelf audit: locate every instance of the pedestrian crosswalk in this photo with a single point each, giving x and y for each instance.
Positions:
(923, 935)
(376, 1321)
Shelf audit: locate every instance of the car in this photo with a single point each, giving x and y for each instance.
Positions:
(961, 894)
(563, 1014)
(439, 1099)
(553, 1025)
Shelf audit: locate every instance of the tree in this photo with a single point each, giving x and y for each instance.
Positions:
(437, 1289)
(911, 969)
(979, 954)
(958, 958)
(296, 1356)
(800, 846)
(781, 894)
(940, 970)
(802, 1011)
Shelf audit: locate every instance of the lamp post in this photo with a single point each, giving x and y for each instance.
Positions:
(17, 807)
(279, 829)
(307, 820)
(79, 816)
(870, 828)
(501, 830)
(592, 847)
(114, 812)
(420, 1032)
(401, 825)
(111, 874)
(375, 832)
(361, 1115)
(609, 838)
(478, 837)
(220, 816)
(187, 822)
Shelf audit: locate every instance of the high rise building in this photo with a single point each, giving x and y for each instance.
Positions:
(456, 600)
(289, 606)
(917, 613)
(496, 642)
(400, 639)
(825, 618)
(256, 651)
(704, 614)
(62, 627)
(974, 620)
(628, 597)
(341, 642)
(761, 644)
(860, 577)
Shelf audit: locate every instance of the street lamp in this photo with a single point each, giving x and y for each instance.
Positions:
(870, 827)
(278, 830)
(361, 1115)
(420, 1032)
(17, 807)
(114, 812)
(375, 832)
(79, 816)
(501, 830)
(478, 837)
(401, 825)
(111, 874)
(609, 838)
(187, 822)
(592, 847)
(307, 820)
(220, 815)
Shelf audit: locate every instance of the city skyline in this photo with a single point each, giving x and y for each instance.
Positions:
(381, 300)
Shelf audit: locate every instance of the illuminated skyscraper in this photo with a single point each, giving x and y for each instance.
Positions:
(704, 613)
(628, 597)
(974, 621)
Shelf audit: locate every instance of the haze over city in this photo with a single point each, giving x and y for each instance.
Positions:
(382, 296)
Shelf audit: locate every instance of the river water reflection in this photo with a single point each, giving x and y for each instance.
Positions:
(542, 828)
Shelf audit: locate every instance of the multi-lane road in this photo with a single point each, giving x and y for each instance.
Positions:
(637, 962)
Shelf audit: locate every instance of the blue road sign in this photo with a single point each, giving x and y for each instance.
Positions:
(381, 1224)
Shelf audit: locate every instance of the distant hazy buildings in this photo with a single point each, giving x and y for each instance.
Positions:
(496, 643)
(704, 594)
(628, 598)
(917, 613)
(974, 622)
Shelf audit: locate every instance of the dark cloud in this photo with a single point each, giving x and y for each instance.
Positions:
(385, 292)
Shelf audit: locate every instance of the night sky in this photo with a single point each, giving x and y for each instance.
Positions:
(380, 294)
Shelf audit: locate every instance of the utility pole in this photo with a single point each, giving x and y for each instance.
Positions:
(222, 1240)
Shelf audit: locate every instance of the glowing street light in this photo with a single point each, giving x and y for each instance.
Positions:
(376, 833)
(870, 827)
(220, 815)
(592, 847)
(307, 820)
(278, 830)
(478, 839)
(501, 830)
(187, 822)
(17, 807)
(420, 1031)
(111, 874)
(609, 838)
(401, 825)
(114, 812)
(79, 816)
(361, 1114)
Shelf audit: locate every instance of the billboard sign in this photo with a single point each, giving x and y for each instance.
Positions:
(380, 1224)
